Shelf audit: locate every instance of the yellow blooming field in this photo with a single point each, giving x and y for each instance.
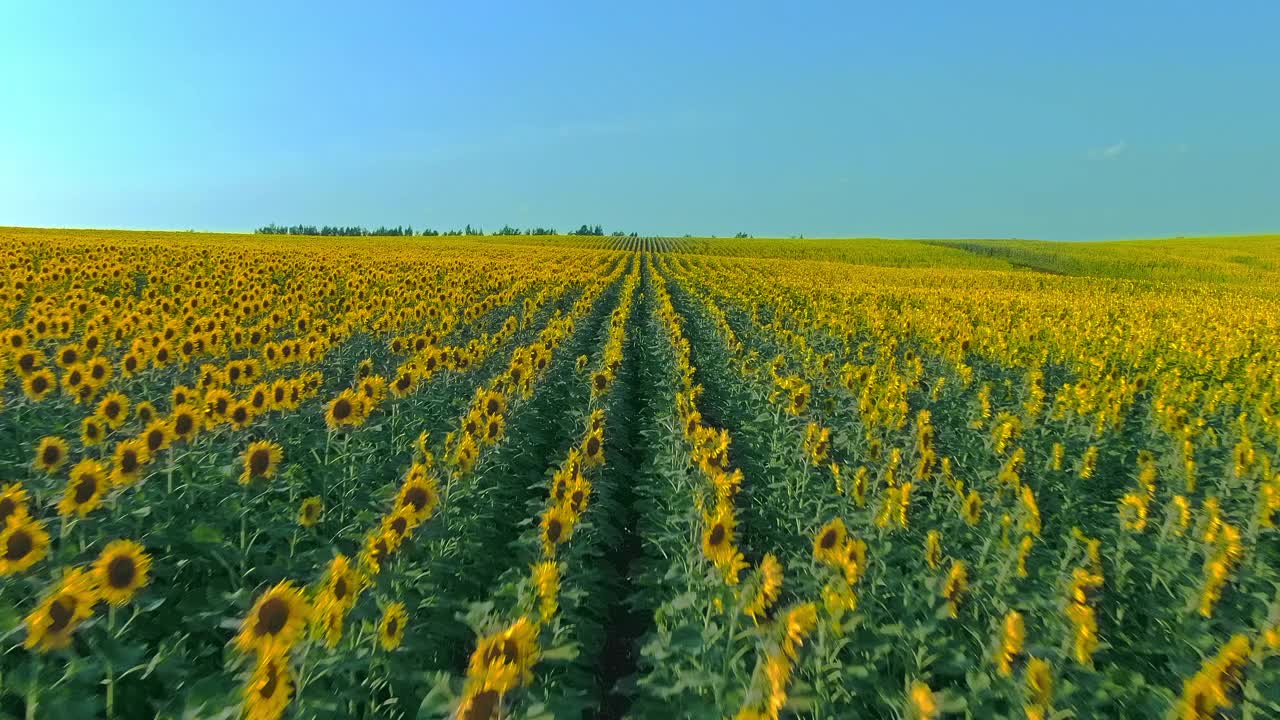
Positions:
(523, 477)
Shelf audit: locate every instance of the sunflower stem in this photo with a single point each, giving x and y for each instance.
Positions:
(111, 677)
(33, 690)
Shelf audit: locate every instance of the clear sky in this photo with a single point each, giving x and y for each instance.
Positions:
(1058, 120)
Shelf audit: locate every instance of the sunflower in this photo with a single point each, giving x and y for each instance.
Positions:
(342, 410)
(515, 646)
(28, 361)
(184, 422)
(342, 584)
(217, 403)
(92, 431)
(718, 541)
(922, 703)
(260, 398)
(128, 460)
(398, 524)
(378, 545)
(145, 412)
(73, 379)
(68, 355)
(121, 570)
(85, 489)
(420, 494)
(130, 364)
(829, 542)
(309, 512)
(239, 414)
(181, 395)
(157, 436)
(493, 403)
(51, 453)
(329, 624)
(23, 541)
(972, 509)
(270, 687)
(261, 459)
(38, 385)
(545, 578)
(13, 501)
(404, 382)
(770, 585)
(391, 627)
(955, 586)
(280, 394)
(100, 371)
(275, 621)
(557, 526)
(593, 449)
(50, 625)
(494, 427)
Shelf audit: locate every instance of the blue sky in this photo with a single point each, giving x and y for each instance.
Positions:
(940, 119)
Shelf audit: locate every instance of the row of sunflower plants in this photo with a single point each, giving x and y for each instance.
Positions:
(521, 625)
(48, 632)
(385, 568)
(1076, 605)
(699, 651)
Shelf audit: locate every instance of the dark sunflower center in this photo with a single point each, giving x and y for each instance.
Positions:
(399, 525)
(129, 461)
(553, 530)
(183, 424)
(155, 439)
(268, 688)
(593, 446)
(402, 382)
(61, 611)
(272, 616)
(342, 409)
(85, 489)
(482, 706)
(828, 540)
(259, 461)
(19, 545)
(121, 571)
(340, 588)
(491, 407)
(39, 384)
(717, 535)
(417, 497)
(51, 455)
(240, 414)
(392, 624)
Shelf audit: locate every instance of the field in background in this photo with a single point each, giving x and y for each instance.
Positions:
(487, 477)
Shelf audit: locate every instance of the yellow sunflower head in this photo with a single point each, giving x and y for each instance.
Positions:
(275, 620)
(61, 611)
(85, 488)
(184, 421)
(51, 453)
(309, 512)
(38, 384)
(23, 542)
(260, 461)
(270, 686)
(121, 570)
(129, 458)
(391, 627)
(13, 501)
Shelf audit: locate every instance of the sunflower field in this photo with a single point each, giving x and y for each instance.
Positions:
(556, 477)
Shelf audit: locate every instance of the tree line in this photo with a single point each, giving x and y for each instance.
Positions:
(405, 231)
